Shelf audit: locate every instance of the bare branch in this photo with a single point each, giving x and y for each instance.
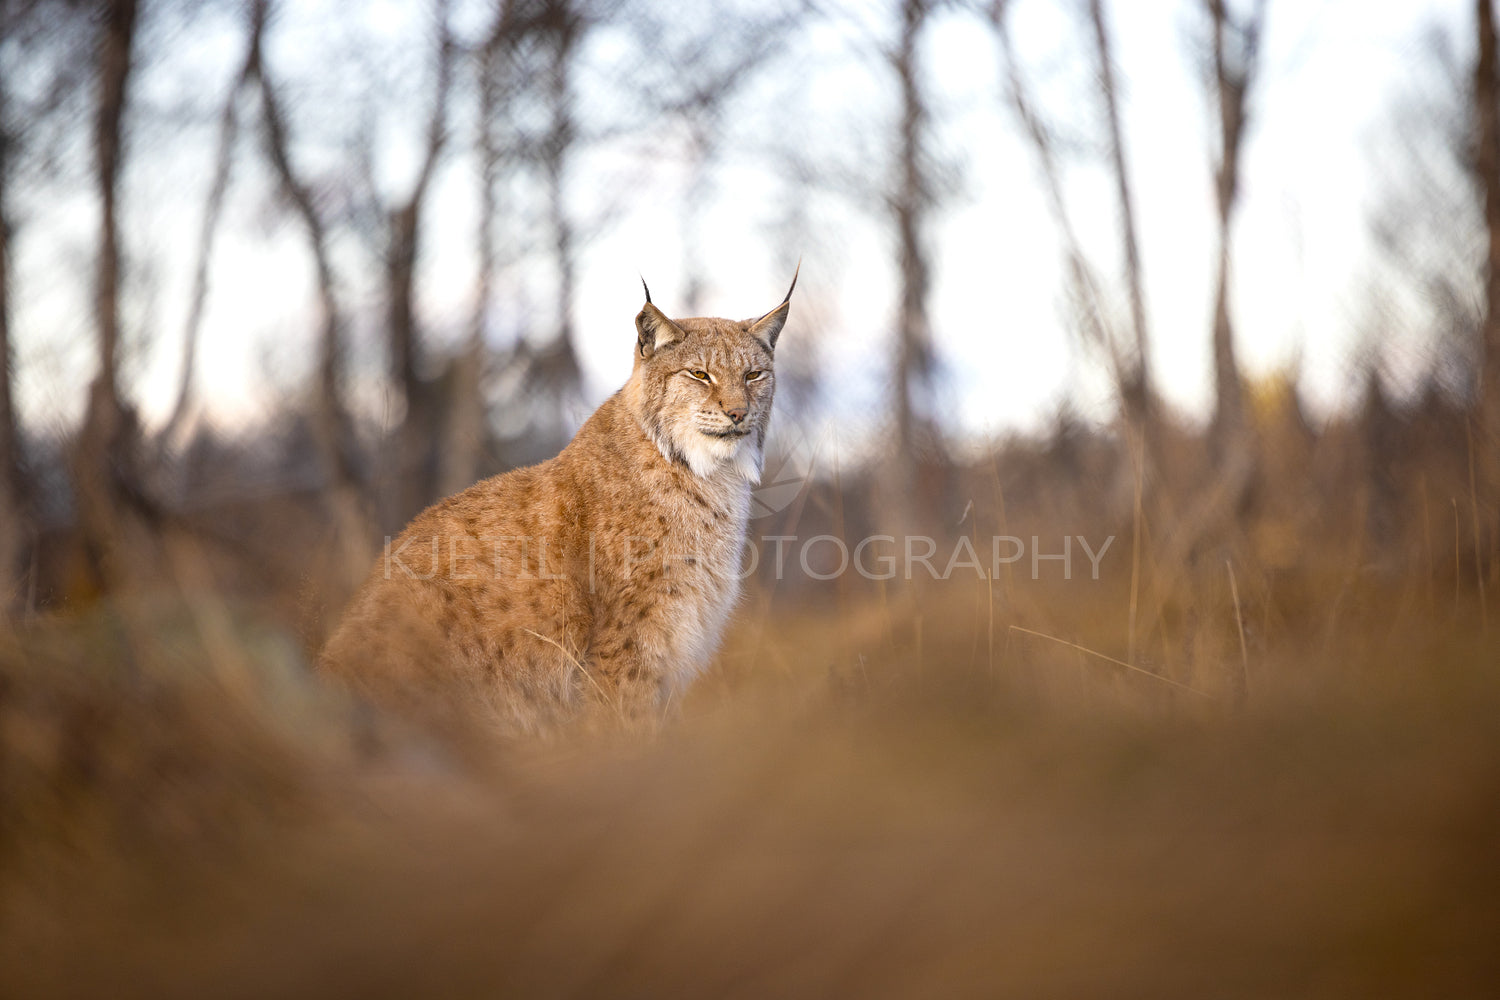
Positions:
(331, 424)
(1136, 392)
(1081, 277)
(212, 211)
(273, 120)
(414, 444)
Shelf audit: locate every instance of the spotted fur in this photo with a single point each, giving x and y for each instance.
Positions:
(597, 582)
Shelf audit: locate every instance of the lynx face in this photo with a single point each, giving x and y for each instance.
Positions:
(707, 386)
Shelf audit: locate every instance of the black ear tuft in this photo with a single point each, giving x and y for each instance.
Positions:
(794, 282)
(648, 288)
(768, 327)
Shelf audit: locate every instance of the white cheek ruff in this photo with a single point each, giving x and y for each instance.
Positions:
(749, 459)
(705, 455)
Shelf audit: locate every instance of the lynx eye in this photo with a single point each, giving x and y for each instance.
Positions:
(754, 376)
(699, 374)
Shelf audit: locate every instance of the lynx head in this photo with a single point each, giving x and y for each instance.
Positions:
(703, 387)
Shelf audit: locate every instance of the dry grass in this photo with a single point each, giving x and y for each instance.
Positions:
(867, 808)
(1280, 779)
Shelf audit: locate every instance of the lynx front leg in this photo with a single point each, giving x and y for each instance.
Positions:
(631, 680)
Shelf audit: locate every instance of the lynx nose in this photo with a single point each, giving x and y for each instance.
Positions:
(736, 414)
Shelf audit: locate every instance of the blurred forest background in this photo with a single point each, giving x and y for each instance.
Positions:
(275, 276)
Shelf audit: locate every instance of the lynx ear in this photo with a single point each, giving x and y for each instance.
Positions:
(653, 330)
(768, 327)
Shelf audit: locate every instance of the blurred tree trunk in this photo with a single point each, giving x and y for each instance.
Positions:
(332, 426)
(14, 522)
(416, 438)
(1235, 52)
(1487, 165)
(1223, 502)
(464, 438)
(911, 206)
(555, 155)
(103, 459)
(1136, 394)
(563, 23)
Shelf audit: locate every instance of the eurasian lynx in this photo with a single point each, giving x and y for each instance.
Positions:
(599, 579)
